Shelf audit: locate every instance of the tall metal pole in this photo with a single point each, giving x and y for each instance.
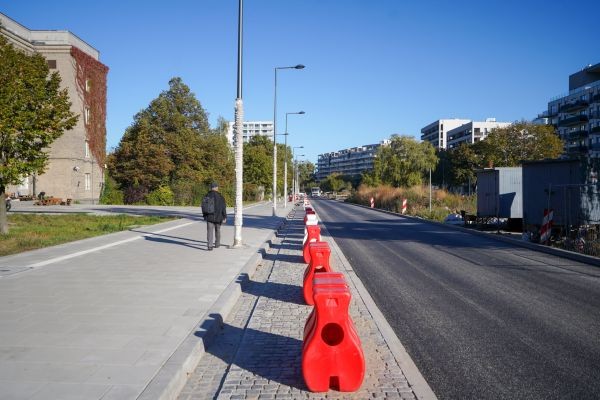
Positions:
(239, 139)
(285, 186)
(299, 66)
(285, 164)
(275, 147)
(295, 180)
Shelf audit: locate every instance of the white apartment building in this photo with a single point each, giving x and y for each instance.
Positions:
(251, 128)
(436, 132)
(353, 161)
(74, 170)
(472, 132)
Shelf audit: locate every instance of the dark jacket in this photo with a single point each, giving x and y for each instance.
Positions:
(220, 208)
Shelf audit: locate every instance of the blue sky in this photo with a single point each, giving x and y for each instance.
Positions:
(373, 68)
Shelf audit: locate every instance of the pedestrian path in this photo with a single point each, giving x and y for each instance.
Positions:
(99, 318)
(257, 355)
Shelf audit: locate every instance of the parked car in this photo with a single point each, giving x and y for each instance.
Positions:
(454, 219)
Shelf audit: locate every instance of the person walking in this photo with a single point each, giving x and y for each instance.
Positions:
(214, 211)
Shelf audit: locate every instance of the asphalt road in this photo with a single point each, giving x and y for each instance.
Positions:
(481, 319)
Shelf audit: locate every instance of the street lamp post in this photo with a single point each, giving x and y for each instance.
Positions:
(285, 188)
(239, 141)
(298, 171)
(295, 183)
(299, 66)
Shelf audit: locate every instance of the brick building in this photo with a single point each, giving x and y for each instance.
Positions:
(76, 159)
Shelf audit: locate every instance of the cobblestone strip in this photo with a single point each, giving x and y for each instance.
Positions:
(258, 354)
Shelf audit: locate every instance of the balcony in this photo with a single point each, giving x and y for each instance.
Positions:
(578, 119)
(577, 135)
(578, 149)
(595, 129)
(596, 98)
(595, 147)
(573, 106)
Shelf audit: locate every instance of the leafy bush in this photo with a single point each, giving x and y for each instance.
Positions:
(111, 193)
(162, 196)
(135, 194)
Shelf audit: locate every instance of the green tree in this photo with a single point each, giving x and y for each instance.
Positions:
(34, 112)
(464, 161)
(170, 143)
(403, 163)
(508, 147)
(258, 161)
(333, 183)
(306, 175)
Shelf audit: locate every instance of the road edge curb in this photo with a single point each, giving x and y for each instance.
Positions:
(417, 382)
(173, 375)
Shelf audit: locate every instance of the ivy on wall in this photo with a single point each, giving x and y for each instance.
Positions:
(91, 86)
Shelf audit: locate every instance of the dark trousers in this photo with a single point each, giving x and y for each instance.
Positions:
(213, 233)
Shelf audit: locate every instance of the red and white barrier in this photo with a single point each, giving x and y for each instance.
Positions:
(546, 228)
(404, 205)
(372, 202)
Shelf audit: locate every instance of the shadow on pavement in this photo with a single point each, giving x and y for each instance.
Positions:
(273, 290)
(196, 216)
(168, 236)
(281, 363)
(178, 242)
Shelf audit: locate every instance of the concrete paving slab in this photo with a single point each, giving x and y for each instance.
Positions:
(70, 391)
(101, 317)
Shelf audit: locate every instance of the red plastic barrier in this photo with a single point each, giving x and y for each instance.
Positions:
(323, 279)
(310, 217)
(319, 262)
(313, 234)
(332, 355)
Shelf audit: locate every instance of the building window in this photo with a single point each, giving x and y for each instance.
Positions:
(87, 149)
(88, 181)
(51, 64)
(88, 85)
(86, 115)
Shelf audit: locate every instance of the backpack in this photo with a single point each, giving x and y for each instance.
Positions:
(208, 205)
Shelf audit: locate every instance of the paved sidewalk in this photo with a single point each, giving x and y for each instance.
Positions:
(258, 352)
(102, 317)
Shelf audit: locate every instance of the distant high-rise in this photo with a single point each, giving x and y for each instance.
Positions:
(352, 161)
(76, 159)
(576, 115)
(472, 132)
(252, 128)
(436, 132)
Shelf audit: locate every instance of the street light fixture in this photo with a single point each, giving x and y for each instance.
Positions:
(285, 187)
(298, 171)
(295, 183)
(299, 66)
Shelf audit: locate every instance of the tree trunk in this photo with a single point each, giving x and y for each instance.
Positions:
(3, 216)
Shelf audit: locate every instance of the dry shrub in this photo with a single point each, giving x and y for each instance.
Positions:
(390, 198)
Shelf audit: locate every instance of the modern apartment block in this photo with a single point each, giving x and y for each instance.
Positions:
(353, 161)
(576, 115)
(436, 132)
(251, 128)
(76, 159)
(472, 132)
